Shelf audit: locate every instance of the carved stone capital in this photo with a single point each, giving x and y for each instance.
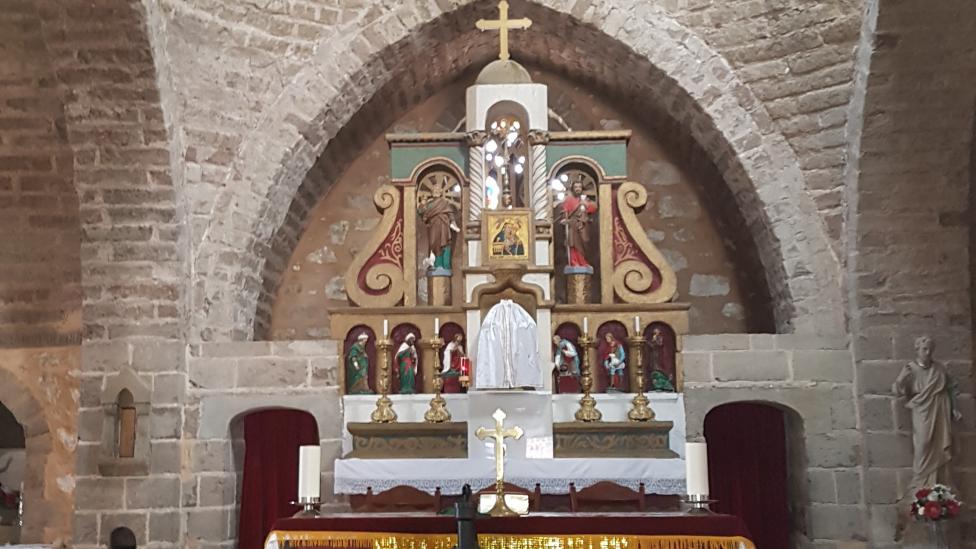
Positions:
(476, 138)
(538, 137)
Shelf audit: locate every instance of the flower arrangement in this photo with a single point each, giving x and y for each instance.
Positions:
(935, 504)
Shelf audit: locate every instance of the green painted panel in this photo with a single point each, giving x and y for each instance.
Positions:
(403, 159)
(612, 157)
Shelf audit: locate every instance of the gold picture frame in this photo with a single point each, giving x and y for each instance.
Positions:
(507, 236)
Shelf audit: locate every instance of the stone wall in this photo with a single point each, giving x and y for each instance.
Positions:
(909, 161)
(812, 377)
(39, 386)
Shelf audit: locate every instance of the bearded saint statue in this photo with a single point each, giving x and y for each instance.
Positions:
(930, 394)
(577, 212)
(437, 213)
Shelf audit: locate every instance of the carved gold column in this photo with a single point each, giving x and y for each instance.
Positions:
(438, 406)
(640, 411)
(429, 363)
(476, 178)
(587, 412)
(541, 198)
(384, 406)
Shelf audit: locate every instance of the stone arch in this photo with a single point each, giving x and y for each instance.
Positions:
(38, 443)
(675, 72)
(219, 413)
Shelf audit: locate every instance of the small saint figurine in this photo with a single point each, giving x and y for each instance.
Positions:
(453, 353)
(614, 360)
(567, 359)
(357, 367)
(659, 380)
(406, 360)
(577, 212)
(930, 394)
(437, 213)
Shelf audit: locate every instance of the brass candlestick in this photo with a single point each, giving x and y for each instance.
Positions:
(438, 406)
(384, 406)
(587, 412)
(640, 411)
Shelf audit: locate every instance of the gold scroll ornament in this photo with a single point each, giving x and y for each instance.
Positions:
(384, 280)
(633, 279)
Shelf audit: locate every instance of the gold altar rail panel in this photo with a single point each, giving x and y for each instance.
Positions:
(383, 540)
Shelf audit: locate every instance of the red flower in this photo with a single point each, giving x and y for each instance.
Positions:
(923, 493)
(933, 510)
(953, 508)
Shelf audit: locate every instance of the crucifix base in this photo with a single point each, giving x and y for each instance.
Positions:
(501, 504)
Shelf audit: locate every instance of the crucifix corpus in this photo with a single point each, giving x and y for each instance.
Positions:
(500, 507)
(502, 25)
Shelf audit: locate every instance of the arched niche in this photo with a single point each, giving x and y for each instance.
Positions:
(562, 176)
(125, 445)
(369, 348)
(400, 335)
(604, 349)
(759, 473)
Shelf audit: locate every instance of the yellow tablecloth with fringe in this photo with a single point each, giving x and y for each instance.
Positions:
(287, 539)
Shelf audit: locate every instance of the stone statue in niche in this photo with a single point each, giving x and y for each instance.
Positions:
(406, 360)
(438, 212)
(567, 358)
(659, 380)
(578, 212)
(614, 360)
(357, 367)
(930, 394)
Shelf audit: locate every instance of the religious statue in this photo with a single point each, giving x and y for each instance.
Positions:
(577, 211)
(437, 213)
(931, 398)
(659, 380)
(567, 358)
(451, 365)
(406, 361)
(357, 367)
(507, 353)
(614, 360)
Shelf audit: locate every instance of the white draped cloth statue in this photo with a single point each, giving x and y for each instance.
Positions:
(508, 351)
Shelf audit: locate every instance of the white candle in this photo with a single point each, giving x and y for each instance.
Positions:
(386, 327)
(586, 325)
(637, 325)
(309, 466)
(696, 468)
(437, 325)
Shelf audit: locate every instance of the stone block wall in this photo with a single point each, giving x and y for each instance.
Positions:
(228, 380)
(811, 378)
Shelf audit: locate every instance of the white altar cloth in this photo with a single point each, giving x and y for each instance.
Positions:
(660, 476)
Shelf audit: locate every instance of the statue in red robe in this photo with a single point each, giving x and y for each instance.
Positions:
(577, 215)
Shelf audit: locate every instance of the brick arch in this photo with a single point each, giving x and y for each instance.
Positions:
(662, 65)
(38, 443)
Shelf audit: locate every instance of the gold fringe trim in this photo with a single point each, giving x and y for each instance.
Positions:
(382, 540)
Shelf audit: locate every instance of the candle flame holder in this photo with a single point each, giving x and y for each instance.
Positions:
(384, 406)
(698, 503)
(310, 507)
(587, 412)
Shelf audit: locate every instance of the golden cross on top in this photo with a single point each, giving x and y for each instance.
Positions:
(503, 24)
(499, 433)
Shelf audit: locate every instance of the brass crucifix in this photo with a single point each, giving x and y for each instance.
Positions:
(499, 434)
(503, 24)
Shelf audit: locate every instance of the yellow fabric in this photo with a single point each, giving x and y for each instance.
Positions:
(384, 540)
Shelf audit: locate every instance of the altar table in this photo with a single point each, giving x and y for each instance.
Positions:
(537, 531)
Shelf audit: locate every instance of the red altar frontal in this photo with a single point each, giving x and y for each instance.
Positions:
(538, 531)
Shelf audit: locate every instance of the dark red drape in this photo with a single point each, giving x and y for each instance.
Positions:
(747, 469)
(271, 441)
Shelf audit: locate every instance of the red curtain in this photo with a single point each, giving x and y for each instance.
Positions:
(747, 469)
(271, 441)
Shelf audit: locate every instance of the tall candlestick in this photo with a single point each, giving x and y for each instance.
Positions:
(637, 325)
(386, 327)
(586, 325)
(309, 467)
(437, 326)
(696, 468)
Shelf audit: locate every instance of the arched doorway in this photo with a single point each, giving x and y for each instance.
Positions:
(270, 470)
(754, 461)
(13, 457)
